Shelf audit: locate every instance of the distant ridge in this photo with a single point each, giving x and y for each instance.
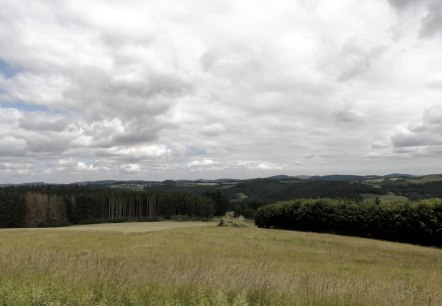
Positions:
(399, 175)
(24, 184)
(280, 177)
(338, 178)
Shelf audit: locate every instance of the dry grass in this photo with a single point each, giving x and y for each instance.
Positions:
(212, 266)
(128, 227)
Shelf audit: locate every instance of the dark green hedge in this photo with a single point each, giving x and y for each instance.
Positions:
(418, 222)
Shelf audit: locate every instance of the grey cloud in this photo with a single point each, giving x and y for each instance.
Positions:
(432, 22)
(415, 140)
(422, 137)
(47, 143)
(213, 130)
(145, 96)
(12, 146)
(141, 105)
(349, 116)
(42, 122)
(378, 145)
(355, 58)
(109, 133)
(400, 4)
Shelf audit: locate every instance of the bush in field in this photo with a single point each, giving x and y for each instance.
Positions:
(229, 219)
(415, 222)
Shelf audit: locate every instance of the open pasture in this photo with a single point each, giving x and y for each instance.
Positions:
(128, 227)
(197, 263)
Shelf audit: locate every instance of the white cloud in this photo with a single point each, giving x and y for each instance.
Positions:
(81, 166)
(259, 165)
(98, 88)
(130, 167)
(202, 163)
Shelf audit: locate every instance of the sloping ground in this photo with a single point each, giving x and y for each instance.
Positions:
(128, 227)
(212, 266)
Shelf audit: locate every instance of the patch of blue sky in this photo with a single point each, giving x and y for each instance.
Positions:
(23, 106)
(8, 70)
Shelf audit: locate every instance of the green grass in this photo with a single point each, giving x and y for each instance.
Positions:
(133, 187)
(127, 227)
(425, 179)
(127, 264)
(390, 197)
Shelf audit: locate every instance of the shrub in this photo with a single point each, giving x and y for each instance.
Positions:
(417, 222)
(229, 219)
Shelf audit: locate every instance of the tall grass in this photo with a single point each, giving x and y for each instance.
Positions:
(213, 266)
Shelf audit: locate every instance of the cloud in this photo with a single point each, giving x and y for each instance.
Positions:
(81, 166)
(401, 3)
(426, 136)
(11, 145)
(96, 89)
(349, 116)
(130, 167)
(213, 130)
(41, 121)
(136, 153)
(202, 163)
(432, 22)
(258, 165)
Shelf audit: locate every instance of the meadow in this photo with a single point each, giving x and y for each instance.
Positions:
(198, 263)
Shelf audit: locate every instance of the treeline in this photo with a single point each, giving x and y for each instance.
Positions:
(58, 205)
(259, 192)
(244, 207)
(415, 191)
(418, 222)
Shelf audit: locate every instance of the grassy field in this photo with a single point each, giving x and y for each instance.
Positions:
(426, 179)
(129, 227)
(201, 264)
(384, 197)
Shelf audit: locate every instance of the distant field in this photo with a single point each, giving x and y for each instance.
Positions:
(386, 197)
(129, 187)
(426, 179)
(162, 263)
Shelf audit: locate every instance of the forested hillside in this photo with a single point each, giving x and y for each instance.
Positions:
(56, 205)
(269, 190)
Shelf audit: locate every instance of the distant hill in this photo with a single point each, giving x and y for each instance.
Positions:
(398, 175)
(104, 182)
(279, 177)
(282, 186)
(338, 178)
(24, 184)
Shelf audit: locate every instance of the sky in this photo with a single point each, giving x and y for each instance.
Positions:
(188, 89)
